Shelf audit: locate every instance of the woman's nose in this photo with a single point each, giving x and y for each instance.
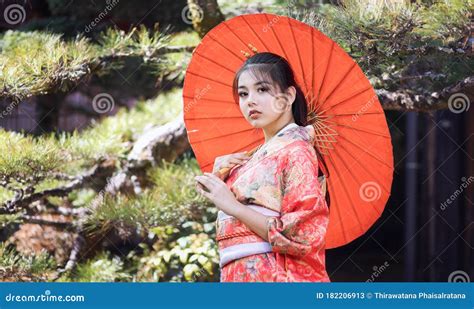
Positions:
(250, 100)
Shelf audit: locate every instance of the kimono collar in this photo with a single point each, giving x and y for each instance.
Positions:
(288, 126)
(287, 135)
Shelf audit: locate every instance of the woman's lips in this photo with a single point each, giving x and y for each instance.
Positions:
(255, 115)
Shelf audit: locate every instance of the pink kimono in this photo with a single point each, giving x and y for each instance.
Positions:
(281, 182)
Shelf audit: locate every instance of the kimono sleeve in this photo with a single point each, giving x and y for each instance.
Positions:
(301, 228)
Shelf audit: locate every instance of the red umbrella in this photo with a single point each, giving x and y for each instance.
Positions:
(352, 137)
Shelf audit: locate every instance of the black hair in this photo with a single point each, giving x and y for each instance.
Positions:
(279, 71)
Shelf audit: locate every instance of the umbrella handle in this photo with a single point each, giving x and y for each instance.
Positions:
(222, 173)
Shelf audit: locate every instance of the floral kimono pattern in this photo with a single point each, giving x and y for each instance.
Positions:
(282, 178)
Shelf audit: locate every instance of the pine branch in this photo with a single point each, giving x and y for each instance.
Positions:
(424, 102)
(73, 62)
(60, 210)
(22, 201)
(78, 244)
(37, 220)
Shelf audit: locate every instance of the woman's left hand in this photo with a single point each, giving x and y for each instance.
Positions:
(218, 193)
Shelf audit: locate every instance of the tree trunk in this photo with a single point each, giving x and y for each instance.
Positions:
(205, 15)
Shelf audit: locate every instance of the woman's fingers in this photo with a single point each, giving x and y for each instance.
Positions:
(200, 190)
(214, 179)
(233, 159)
(204, 181)
(237, 161)
(231, 163)
(242, 155)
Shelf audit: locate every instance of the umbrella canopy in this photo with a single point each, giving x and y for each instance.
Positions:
(352, 137)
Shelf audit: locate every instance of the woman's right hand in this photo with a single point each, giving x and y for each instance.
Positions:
(229, 161)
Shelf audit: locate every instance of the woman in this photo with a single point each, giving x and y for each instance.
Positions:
(272, 212)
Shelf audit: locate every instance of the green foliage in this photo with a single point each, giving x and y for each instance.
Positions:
(139, 41)
(446, 21)
(5, 195)
(8, 220)
(178, 255)
(192, 257)
(24, 155)
(184, 38)
(102, 268)
(179, 61)
(113, 136)
(35, 266)
(366, 25)
(163, 204)
(35, 63)
(180, 220)
(32, 62)
(26, 159)
(392, 39)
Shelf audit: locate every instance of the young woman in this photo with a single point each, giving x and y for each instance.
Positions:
(272, 212)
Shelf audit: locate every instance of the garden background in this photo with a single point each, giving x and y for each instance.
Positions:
(97, 174)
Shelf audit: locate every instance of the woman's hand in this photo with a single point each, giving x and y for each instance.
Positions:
(225, 200)
(218, 193)
(229, 161)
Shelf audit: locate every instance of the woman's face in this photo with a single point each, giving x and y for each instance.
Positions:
(260, 101)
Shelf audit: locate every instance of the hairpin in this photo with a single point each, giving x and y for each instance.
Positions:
(252, 48)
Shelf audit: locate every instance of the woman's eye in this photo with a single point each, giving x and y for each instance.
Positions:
(241, 94)
(262, 88)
